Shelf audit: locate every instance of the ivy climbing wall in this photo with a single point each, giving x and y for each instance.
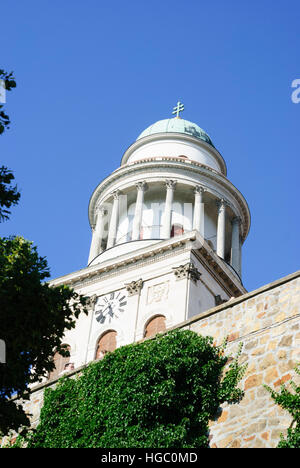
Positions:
(266, 322)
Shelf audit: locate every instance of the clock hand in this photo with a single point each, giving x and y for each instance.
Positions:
(102, 316)
(104, 310)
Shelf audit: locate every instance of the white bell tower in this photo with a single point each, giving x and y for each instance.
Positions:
(167, 235)
(171, 181)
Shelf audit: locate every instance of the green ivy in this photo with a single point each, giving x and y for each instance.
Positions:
(158, 393)
(290, 401)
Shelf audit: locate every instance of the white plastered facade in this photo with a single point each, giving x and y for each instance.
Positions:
(163, 229)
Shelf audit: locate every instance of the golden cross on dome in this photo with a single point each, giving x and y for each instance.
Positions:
(178, 108)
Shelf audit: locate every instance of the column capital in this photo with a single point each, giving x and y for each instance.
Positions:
(141, 185)
(116, 194)
(222, 203)
(101, 210)
(171, 184)
(237, 220)
(187, 271)
(91, 302)
(199, 189)
(134, 287)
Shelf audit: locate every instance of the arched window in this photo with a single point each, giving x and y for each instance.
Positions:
(62, 363)
(177, 230)
(106, 343)
(155, 325)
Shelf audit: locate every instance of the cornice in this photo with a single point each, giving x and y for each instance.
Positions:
(166, 248)
(128, 261)
(214, 267)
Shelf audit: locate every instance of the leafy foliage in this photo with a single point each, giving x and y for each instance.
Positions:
(33, 319)
(9, 83)
(290, 401)
(159, 393)
(8, 194)
(33, 316)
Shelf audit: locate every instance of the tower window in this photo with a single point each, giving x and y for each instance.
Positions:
(61, 363)
(177, 230)
(107, 342)
(155, 325)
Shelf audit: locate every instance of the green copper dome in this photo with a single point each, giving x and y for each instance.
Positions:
(176, 125)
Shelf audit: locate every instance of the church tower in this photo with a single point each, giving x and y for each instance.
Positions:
(167, 235)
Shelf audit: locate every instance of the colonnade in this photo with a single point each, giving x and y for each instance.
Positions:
(198, 222)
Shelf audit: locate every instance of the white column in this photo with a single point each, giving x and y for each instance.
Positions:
(166, 228)
(198, 222)
(221, 228)
(98, 231)
(138, 214)
(236, 245)
(113, 225)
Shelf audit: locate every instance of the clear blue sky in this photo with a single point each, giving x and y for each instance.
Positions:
(92, 75)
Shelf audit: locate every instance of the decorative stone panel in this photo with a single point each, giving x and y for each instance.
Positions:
(158, 293)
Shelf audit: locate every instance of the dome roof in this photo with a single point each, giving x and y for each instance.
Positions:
(176, 125)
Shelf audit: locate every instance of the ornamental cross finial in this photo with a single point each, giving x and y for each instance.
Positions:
(178, 108)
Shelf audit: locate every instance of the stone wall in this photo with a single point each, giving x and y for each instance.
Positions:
(266, 322)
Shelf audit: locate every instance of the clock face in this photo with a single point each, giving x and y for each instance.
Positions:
(110, 306)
